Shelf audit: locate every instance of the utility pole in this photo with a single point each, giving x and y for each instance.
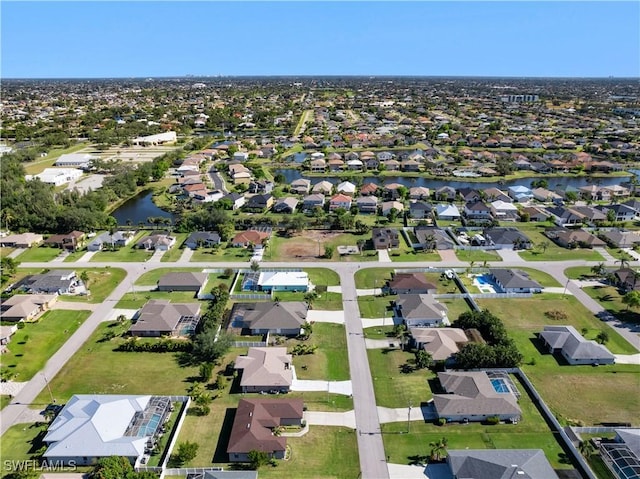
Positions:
(46, 381)
(409, 418)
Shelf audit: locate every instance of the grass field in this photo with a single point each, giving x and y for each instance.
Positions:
(40, 254)
(406, 253)
(32, 346)
(579, 272)
(150, 278)
(530, 432)
(38, 166)
(325, 301)
(376, 306)
(370, 278)
(392, 387)
(309, 246)
(591, 395)
(75, 256)
(97, 369)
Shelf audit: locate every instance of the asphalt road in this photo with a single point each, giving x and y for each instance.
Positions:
(216, 179)
(370, 445)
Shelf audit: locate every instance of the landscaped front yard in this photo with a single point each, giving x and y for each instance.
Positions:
(477, 256)
(324, 301)
(175, 253)
(40, 254)
(611, 300)
(531, 432)
(32, 346)
(137, 300)
(102, 282)
(223, 253)
(330, 361)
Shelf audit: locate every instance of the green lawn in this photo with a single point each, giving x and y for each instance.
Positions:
(75, 256)
(392, 387)
(323, 276)
(31, 347)
(530, 432)
(579, 272)
(5, 251)
(378, 332)
(35, 167)
(370, 278)
(222, 254)
(137, 300)
(40, 254)
(125, 254)
(455, 307)
(376, 306)
(175, 253)
(102, 282)
(97, 369)
(330, 361)
(544, 279)
(325, 301)
(477, 256)
(4, 400)
(611, 300)
(406, 253)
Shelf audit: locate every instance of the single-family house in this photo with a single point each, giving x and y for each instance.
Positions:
(158, 241)
(108, 240)
(544, 195)
(419, 193)
(261, 186)
(324, 187)
(368, 189)
(310, 202)
(340, 201)
(91, 427)
(514, 281)
(471, 396)
(385, 238)
(335, 165)
(260, 202)
(160, 317)
(410, 165)
(318, 166)
(367, 204)
(510, 238)
(620, 212)
(520, 193)
(254, 424)
(391, 165)
(70, 241)
(247, 238)
(265, 370)
(420, 210)
(286, 205)
(237, 200)
(469, 195)
(477, 211)
(445, 193)
(346, 188)
(420, 310)
(572, 238)
(410, 283)
(283, 281)
(493, 194)
(355, 165)
(573, 347)
(284, 318)
(202, 238)
(499, 464)
(627, 279)
(392, 190)
(59, 281)
(590, 215)
(26, 307)
(6, 332)
(183, 281)
(595, 193)
(440, 343)
(433, 238)
(388, 206)
(504, 211)
(620, 238)
(447, 212)
(535, 213)
(24, 240)
(300, 186)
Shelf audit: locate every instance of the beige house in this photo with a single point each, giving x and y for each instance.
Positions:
(265, 370)
(26, 307)
(441, 343)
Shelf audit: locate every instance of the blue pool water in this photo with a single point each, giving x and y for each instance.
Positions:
(499, 385)
(482, 280)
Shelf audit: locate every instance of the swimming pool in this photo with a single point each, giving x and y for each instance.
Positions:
(499, 385)
(484, 283)
(482, 280)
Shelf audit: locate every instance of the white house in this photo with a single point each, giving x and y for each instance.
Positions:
(283, 281)
(80, 160)
(159, 139)
(447, 212)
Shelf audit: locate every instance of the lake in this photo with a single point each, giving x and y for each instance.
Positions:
(138, 209)
(291, 174)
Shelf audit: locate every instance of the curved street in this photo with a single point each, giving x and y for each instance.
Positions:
(370, 445)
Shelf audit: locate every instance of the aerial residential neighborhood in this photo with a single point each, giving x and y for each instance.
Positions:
(377, 276)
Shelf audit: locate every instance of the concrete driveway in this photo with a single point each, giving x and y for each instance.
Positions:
(16, 253)
(628, 359)
(419, 413)
(335, 387)
(87, 256)
(510, 255)
(186, 255)
(318, 418)
(157, 256)
(383, 256)
(321, 316)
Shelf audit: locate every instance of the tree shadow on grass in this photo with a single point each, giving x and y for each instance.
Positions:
(220, 454)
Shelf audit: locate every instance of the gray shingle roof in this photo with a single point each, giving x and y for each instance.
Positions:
(500, 464)
(573, 344)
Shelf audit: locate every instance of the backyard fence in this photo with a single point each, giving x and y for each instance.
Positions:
(250, 344)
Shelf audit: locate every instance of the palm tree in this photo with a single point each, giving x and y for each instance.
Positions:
(624, 262)
(586, 448)
(401, 332)
(438, 449)
(598, 269)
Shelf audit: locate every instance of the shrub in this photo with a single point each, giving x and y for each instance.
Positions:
(493, 420)
(441, 422)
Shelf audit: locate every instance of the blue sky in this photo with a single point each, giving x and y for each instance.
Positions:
(145, 39)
